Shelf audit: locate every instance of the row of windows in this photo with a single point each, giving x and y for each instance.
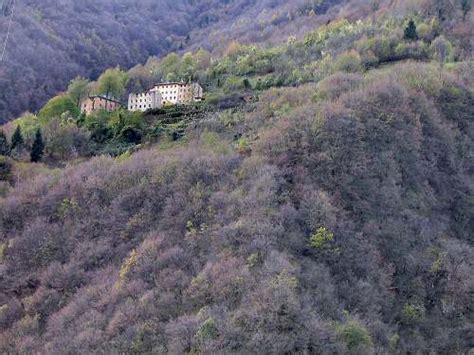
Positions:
(141, 100)
(135, 107)
(140, 106)
(170, 86)
(144, 101)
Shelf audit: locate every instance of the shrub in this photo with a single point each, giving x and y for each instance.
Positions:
(207, 330)
(58, 106)
(127, 266)
(356, 338)
(233, 84)
(412, 314)
(65, 140)
(321, 238)
(244, 146)
(441, 49)
(412, 50)
(349, 61)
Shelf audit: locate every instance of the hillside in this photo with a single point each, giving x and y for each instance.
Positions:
(52, 42)
(319, 201)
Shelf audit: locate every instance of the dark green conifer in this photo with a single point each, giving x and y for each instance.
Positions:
(410, 31)
(37, 149)
(17, 138)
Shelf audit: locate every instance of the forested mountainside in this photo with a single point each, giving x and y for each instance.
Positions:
(319, 201)
(53, 41)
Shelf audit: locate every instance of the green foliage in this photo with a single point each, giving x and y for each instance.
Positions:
(356, 337)
(4, 145)
(442, 49)
(233, 84)
(412, 313)
(202, 59)
(332, 30)
(112, 83)
(169, 66)
(321, 239)
(58, 106)
(68, 208)
(187, 67)
(98, 124)
(247, 84)
(253, 259)
(126, 125)
(410, 32)
(244, 146)
(37, 149)
(284, 280)
(349, 62)
(207, 330)
(214, 142)
(4, 249)
(78, 90)
(65, 139)
(29, 123)
(127, 266)
(393, 343)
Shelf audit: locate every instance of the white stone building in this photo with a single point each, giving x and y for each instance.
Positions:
(179, 93)
(165, 93)
(145, 101)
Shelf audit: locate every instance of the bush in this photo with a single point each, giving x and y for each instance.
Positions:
(65, 140)
(442, 49)
(58, 106)
(321, 238)
(349, 61)
(356, 338)
(412, 314)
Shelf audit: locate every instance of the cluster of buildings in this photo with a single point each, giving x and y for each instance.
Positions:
(171, 93)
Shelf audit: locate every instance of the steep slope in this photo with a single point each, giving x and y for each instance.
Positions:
(319, 201)
(346, 228)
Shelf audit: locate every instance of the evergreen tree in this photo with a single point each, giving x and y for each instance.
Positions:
(4, 147)
(247, 84)
(410, 31)
(17, 138)
(37, 149)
